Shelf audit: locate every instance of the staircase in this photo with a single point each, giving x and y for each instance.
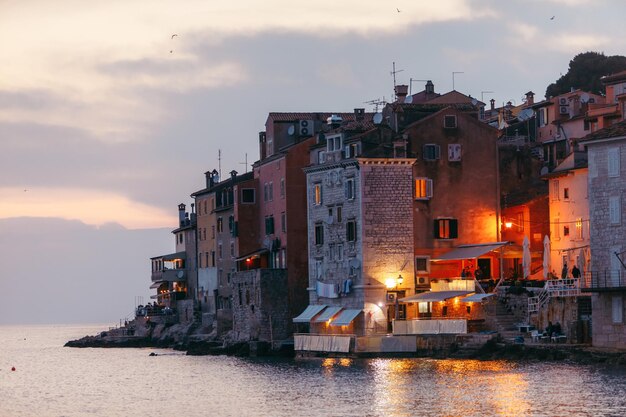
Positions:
(569, 287)
(506, 323)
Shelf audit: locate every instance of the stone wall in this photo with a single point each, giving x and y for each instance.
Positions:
(606, 333)
(260, 307)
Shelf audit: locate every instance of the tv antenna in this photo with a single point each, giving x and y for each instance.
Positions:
(453, 74)
(376, 102)
(394, 72)
(482, 95)
(411, 81)
(246, 162)
(219, 162)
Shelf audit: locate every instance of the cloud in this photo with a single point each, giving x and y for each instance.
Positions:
(88, 206)
(575, 43)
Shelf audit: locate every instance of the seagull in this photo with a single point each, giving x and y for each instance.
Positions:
(552, 18)
(174, 35)
(398, 10)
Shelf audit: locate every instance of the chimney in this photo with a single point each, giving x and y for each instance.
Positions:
(233, 175)
(401, 92)
(262, 150)
(530, 98)
(430, 87)
(493, 103)
(181, 214)
(359, 114)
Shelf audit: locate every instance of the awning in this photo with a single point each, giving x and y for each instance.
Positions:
(476, 298)
(433, 296)
(469, 251)
(251, 254)
(174, 256)
(327, 314)
(156, 284)
(307, 315)
(345, 317)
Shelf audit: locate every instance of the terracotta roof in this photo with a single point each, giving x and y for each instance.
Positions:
(613, 131)
(618, 76)
(453, 97)
(291, 116)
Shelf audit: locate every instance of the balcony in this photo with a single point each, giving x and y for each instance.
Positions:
(604, 281)
(170, 275)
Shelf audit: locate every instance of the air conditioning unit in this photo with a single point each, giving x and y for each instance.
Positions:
(564, 110)
(306, 128)
(423, 282)
(563, 101)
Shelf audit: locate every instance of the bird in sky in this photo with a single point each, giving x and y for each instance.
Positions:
(552, 18)
(398, 10)
(174, 35)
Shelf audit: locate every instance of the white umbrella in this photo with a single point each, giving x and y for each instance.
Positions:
(526, 257)
(581, 261)
(546, 257)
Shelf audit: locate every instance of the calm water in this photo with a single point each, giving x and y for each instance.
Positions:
(51, 380)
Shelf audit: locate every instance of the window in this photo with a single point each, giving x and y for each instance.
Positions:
(565, 231)
(269, 225)
(283, 222)
(339, 214)
(520, 222)
(454, 152)
(180, 238)
(333, 143)
(213, 232)
(423, 188)
(555, 189)
(446, 229)
(317, 194)
(557, 231)
(282, 188)
(421, 263)
(331, 252)
(565, 193)
(232, 249)
(617, 304)
(219, 251)
(444, 311)
(352, 150)
(449, 121)
(220, 225)
(247, 195)
(340, 252)
(349, 189)
(424, 307)
(266, 192)
(613, 158)
(431, 152)
(319, 234)
(351, 230)
(321, 157)
(579, 228)
(615, 215)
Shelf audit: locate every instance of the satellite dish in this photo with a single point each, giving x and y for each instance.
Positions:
(584, 97)
(329, 220)
(408, 99)
(378, 118)
(291, 130)
(180, 274)
(525, 114)
(474, 102)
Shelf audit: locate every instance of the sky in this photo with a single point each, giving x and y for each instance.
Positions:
(112, 110)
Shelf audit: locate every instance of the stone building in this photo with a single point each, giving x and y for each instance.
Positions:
(607, 199)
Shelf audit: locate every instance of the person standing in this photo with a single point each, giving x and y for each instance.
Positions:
(564, 271)
(575, 272)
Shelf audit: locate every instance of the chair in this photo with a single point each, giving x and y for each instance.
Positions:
(534, 335)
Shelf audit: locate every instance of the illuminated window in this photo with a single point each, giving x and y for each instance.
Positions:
(423, 188)
(579, 228)
(446, 229)
(317, 194)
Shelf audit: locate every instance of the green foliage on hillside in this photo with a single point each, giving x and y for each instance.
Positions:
(585, 71)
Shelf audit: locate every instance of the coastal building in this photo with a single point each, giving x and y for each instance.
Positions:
(607, 279)
(613, 108)
(174, 276)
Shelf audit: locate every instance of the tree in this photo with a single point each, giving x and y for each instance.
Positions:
(585, 72)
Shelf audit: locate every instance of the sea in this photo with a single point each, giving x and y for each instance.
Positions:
(52, 380)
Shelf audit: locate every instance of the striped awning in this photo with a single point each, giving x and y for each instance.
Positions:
(156, 284)
(469, 251)
(307, 315)
(345, 317)
(327, 314)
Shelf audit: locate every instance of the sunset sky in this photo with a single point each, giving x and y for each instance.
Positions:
(106, 118)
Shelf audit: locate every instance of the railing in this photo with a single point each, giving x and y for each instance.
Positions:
(569, 287)
(606, 280)
(430, 326)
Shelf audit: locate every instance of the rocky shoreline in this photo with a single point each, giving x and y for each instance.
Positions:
(194, 341)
